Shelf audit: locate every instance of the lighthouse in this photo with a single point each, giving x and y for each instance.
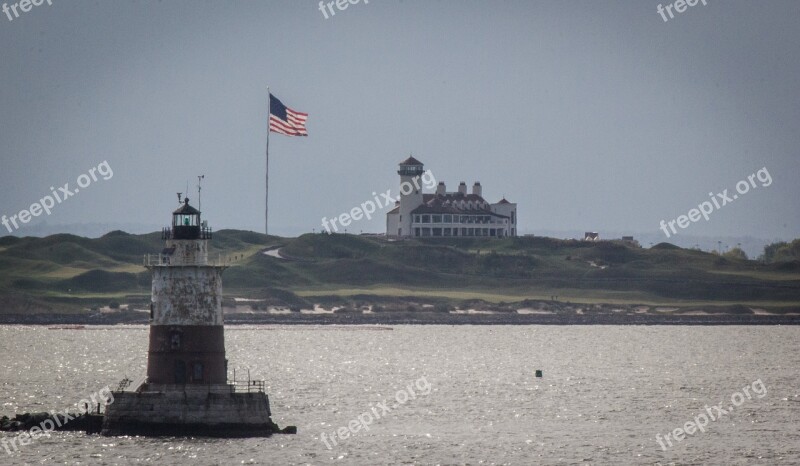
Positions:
(186, 390)
(187, 342)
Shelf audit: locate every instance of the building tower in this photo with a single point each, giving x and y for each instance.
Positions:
(410, 172)
(187, 391)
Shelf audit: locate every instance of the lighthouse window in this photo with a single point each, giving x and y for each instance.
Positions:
(197, 371)
(175, 340)
(180, 372)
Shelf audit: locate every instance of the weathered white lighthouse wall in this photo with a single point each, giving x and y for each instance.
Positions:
(187, 295)
(194, 252)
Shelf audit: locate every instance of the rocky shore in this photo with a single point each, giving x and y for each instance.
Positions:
(86, 422)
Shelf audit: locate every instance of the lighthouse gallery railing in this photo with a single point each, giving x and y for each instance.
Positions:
(163, 260)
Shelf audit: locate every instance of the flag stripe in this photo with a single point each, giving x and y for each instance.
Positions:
(277, 126)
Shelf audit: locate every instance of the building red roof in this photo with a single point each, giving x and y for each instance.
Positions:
(450, 204)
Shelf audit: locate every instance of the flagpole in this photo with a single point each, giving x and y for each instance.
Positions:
(266, 195)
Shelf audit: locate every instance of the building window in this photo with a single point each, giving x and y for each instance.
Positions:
(399, 232)
(513, 216)
(448, 218)
(437, 219)
(416, 231)
(401, 217)
(426, 219)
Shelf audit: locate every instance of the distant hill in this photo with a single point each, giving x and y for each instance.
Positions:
(70, 273)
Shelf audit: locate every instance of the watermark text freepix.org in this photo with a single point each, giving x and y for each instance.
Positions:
(341, 5)
(701, 420)
(679, 5)
(24, 6)
(704, 209)
(368, 208)
(378, 410)
(60, 195)
(57, 419)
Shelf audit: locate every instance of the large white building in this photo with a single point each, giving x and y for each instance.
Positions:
(447, 214)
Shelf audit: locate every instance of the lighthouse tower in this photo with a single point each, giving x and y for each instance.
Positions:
(187, 390)
(187, 343)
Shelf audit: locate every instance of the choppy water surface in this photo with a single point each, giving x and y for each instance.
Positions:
(606, 392)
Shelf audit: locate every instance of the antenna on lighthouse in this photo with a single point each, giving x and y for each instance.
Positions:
(199, 177)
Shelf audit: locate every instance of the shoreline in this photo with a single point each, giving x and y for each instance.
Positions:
(417, 318)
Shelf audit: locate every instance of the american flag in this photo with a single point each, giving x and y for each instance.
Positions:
(284, 120)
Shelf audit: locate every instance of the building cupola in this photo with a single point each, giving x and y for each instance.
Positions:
(411, 167)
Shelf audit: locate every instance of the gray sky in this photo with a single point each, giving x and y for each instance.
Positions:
(591, 115)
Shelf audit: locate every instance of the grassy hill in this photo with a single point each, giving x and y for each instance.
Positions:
(65, 273)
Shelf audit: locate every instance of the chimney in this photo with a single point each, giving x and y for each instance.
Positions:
(462, 188)
(440, 189)
(476, 189)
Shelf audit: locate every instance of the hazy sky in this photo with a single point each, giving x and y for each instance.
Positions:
(591, 115)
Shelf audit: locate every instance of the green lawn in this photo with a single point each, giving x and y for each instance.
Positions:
(493, 270)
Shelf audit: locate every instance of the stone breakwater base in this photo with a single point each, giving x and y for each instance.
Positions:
(208, 412)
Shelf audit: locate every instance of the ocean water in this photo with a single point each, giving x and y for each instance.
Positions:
(473, 397)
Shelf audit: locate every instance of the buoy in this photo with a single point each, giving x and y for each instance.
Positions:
(538, 373)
